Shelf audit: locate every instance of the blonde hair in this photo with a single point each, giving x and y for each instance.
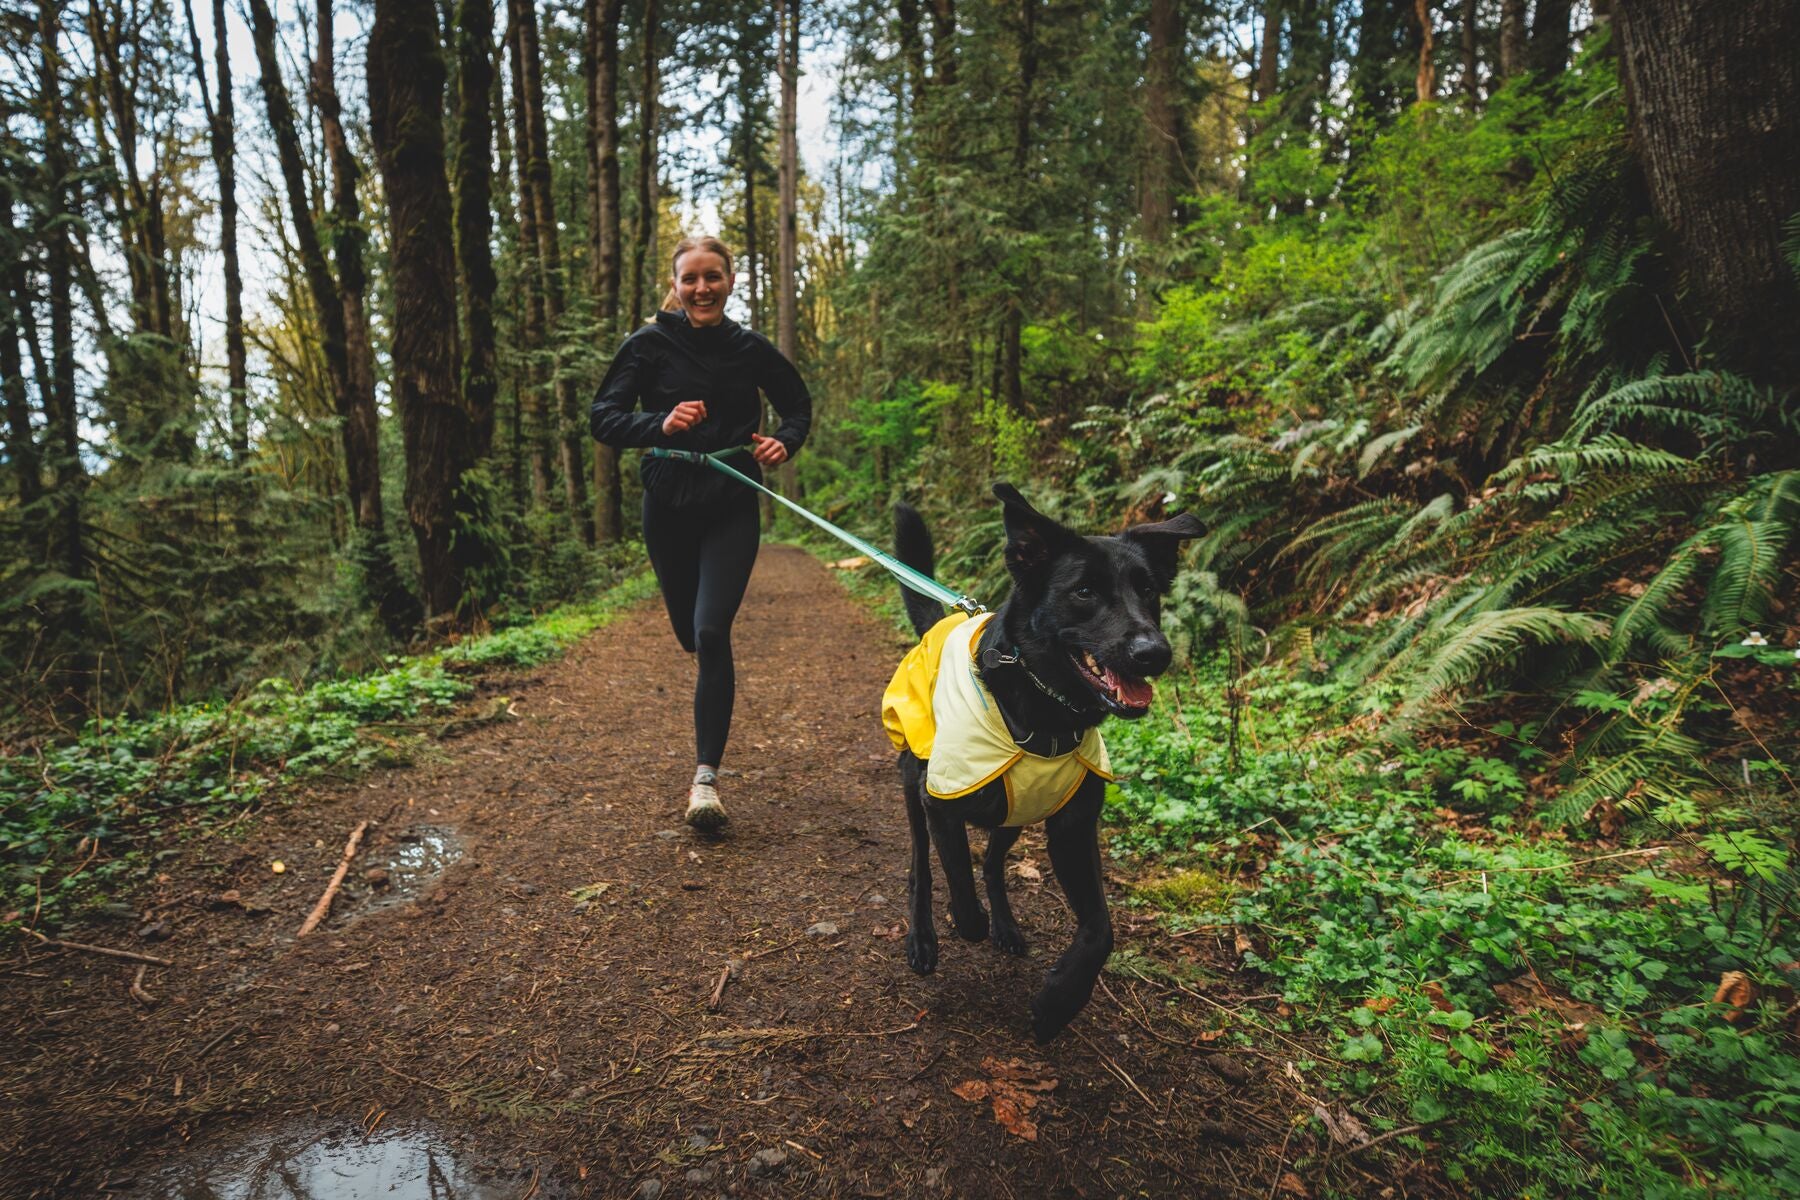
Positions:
(672, 302)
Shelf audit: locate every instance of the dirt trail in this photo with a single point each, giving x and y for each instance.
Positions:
(570, 1045)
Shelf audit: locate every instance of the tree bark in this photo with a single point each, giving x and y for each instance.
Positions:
(406, 95)
(221, 127)
(1012, 320)
(1714, 117)
(1550, 36)
(62, 417)
(1162, 123)
(540, 193)
(787, 271)
(535, 416)
(1268, 53)
(1425, 86)
(603, 18)
(472, 200)
(1471, 51)
(1512, 37)
(645, 240)
(21, 444)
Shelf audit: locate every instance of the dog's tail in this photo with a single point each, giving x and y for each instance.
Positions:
(912, 545)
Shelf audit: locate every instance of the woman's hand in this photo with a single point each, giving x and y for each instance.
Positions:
(768, 451)
(684, 416)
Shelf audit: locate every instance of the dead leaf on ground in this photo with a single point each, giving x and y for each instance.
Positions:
(1242, 941)
(1027, 871)
(891, 933)
(1009, 1089)
(1736, 992)
(1434, 992)
(1525, 995)
(853, 563)
(590, 891)
(1292, 1185)
(1344, 1129)
(1379, 1004)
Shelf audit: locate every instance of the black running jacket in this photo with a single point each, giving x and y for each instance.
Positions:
(668, 361)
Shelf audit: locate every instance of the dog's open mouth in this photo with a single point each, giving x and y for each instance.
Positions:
(1125, 695)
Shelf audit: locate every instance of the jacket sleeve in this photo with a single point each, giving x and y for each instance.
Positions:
(613, 417)
(785, 389)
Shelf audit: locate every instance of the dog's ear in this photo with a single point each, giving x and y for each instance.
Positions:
(1161, 542)
(1032, 539)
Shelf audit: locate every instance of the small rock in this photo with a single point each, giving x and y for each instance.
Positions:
(578, 1092)
(876, 898)
(699, 1138)
(507, 910)
(582, 906)
(332, 1028)
(767, 1162)
(822, 929)
(531, 889)
(699, 1176)
(650, 1189)
(155, 931)
(376, 877)
(668, 835)
(934, 1176)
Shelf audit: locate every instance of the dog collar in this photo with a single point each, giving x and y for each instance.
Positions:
(994, 657)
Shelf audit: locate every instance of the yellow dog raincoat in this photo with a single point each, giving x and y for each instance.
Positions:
(937, 706)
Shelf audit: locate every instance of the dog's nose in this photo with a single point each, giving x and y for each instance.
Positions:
(1149, 654)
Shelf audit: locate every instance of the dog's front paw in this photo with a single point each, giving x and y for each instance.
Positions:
(971, 924)
(1052, 1009)
(922, 950)
(1006, 936)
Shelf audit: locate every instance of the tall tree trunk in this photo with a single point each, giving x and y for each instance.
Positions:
(221, 126)
(603, 18)
(1471, 51)
(942, 107)
(1268, 53)
(503, 206)
(21, 442)
(406, 97)
(912, 55)
(787, 270)
(541, 194)
(1512, 37)
(1162, 123)
(62, 418)
(1425, 87)
(472, 199)
(1550, 36)
(752, 160)
(353, 399)
(1715, 116)
(1012, 322)
(645, 240)
(535, 414)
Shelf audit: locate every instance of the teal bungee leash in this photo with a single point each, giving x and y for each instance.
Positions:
(918, 581)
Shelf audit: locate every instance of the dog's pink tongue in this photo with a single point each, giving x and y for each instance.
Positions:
(1132, 693)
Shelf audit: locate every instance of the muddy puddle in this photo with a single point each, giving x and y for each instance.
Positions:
(303, 1161)
(417, 859)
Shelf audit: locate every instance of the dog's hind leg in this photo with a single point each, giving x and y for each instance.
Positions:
(1075, 855)
(1005, 932)
(952, 838)
(921, 931)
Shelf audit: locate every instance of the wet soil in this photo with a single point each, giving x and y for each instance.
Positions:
(529, 989)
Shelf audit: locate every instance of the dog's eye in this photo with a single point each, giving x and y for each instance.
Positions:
(1085, 593)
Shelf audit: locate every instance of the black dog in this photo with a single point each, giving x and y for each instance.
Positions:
(1077, 638)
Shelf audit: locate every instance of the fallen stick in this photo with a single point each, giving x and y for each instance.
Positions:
(718, 992)
(107, 951)
(337, 880)
(137, 987)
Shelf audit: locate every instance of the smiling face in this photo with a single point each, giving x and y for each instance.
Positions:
(702, 282)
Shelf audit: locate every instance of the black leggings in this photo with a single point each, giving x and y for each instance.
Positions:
(702, 558)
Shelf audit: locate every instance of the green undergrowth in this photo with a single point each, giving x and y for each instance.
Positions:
(1538, 1009)
(78, 817)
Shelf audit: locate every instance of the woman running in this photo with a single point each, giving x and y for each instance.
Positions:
(696, 373)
